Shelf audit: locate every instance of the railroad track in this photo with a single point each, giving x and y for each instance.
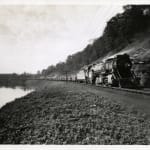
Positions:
(144, 92)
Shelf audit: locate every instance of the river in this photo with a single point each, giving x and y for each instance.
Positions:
(8, 94)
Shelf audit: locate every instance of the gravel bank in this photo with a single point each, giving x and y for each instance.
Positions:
(58, 113)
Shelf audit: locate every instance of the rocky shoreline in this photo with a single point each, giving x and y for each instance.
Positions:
(58, 113)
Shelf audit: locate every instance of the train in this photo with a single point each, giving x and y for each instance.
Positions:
(114, 71)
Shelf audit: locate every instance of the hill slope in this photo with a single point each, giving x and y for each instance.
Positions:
(125, 32)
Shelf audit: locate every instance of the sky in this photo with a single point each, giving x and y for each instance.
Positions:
(33, 37)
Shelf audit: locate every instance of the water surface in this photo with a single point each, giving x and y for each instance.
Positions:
(8, 94)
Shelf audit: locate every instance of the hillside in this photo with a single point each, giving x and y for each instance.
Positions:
(126, 32)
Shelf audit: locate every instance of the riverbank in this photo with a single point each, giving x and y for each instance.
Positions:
(61, 113)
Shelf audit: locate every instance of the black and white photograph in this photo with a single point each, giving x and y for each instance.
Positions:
(74, 73)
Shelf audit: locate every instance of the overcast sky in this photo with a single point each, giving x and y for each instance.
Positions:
(36, 36)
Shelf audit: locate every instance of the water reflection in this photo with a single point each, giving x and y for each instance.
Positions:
(8, 94)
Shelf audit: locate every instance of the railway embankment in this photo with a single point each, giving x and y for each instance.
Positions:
(69, 113)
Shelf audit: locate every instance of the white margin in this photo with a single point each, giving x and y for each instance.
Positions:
(73, 2)
(74, 147)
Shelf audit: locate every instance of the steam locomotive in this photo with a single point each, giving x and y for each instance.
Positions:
(116, 71)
